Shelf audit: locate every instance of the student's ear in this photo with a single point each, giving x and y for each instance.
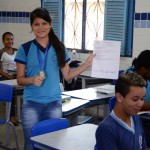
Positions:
(142, 70)
(119, 97)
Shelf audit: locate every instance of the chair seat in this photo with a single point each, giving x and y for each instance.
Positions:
(2, 121)
(49, 125)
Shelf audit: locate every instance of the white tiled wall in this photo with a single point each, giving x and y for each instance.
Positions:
(22, 32)
(142, 6)
(141, 35)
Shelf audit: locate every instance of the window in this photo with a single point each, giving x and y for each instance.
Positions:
(55, 10)
(79, 22)
(84, 22)
(119, 23)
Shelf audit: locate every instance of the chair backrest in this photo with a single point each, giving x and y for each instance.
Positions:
(115, 80)
(112, 102)
(49, 125)
(6, 92)
(6, 95)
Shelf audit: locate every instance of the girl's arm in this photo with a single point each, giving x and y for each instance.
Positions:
(69, 73)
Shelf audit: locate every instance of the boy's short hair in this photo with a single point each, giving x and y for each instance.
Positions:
(126, 80)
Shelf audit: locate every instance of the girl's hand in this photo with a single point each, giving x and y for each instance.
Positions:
(37, 80)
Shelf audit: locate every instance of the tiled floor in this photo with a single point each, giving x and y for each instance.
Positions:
(19, 131)
(12, 142)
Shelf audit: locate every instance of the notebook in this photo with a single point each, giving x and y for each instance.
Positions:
(106, 89)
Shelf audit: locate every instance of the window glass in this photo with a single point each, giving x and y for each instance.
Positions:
(94, 22)
(84, 22)
(73, 23)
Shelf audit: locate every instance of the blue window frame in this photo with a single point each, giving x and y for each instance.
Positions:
(118, 22)
(55, 10)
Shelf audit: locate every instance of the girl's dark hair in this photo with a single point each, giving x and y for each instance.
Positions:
(143, 60)
(6, 33)
(55, 42)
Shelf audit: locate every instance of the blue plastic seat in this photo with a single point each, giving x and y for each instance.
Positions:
(115, 80)
(49, 125)
(6, 94)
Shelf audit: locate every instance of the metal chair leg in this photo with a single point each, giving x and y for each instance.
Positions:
(15, 135)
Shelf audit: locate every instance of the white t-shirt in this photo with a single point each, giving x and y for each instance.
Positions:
(8, 62)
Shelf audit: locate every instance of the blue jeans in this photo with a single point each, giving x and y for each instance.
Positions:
(33, 113)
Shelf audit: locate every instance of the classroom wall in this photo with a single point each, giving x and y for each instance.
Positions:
(22, 31)
(141, 33)
(18, 25)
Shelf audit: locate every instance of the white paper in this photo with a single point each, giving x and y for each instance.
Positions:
(106, 89)
(106, 62)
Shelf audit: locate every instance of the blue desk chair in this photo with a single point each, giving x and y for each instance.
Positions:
(115, 80)
(112, 102)
(6, 94)
(49, 125)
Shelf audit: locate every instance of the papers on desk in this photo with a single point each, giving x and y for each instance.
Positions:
(12, 72)
(144, 112)
(65, 98)
(106, 62)
(106, 89)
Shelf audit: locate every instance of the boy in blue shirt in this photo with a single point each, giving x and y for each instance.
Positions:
(122, 129)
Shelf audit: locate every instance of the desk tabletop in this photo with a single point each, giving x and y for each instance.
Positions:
(10, 82)
(90, 94)
(81, 137)
(18, 90)
(73, 105)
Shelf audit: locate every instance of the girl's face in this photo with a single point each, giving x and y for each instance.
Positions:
(41, 28)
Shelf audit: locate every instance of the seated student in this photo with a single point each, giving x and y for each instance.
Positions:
(7, 55)
(122, 129)
(141, 65)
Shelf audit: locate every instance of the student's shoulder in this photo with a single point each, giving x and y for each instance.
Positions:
(106, 123)
(1, 52)
(129, 70)
(108, 127)
(14, 49)
(27, 44)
